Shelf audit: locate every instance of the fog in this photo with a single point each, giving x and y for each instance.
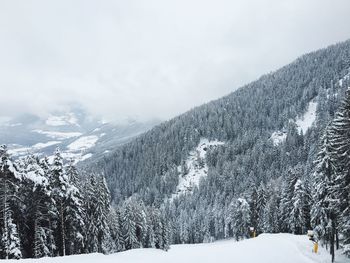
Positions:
(151, 59)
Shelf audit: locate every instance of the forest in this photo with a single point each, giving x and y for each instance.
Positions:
(50, 209)
(123, 200)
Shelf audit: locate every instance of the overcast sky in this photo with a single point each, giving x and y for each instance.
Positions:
(151, 58)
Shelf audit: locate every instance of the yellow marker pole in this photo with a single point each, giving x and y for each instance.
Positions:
(316, 247)
(254, 234)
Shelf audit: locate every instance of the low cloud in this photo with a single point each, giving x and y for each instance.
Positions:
(151, 59)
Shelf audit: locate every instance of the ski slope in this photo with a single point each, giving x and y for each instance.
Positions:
(267, 248)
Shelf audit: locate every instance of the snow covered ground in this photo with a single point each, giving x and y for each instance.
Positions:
(58, 135)
(278, 137)
(83, 143)
(267, 248)
(196, 167)
(306, 121)
(303, 124)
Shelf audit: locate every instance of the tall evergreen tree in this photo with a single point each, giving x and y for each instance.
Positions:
(240, 219)
(298, 218)
(9, 181)
(340, 202)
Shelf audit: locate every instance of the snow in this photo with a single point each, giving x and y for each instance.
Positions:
(13, 170)
(195, 169)
(18, 150)
(83, 143)
(266, 248)
(306, 121)
(303, 124)
(86, 156)
(40, 145)
(278, 137)
(63, 120)
(59, 135)
(37, 179)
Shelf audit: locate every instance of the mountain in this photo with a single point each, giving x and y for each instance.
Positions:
(249, 154)
(74, 131)
(271, 157)
(263, 128)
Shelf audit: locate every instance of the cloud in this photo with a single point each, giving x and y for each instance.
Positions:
(151, 59)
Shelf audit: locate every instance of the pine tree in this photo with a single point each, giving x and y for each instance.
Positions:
(287, 205)
(151, 222)
(35, 189)
(322, 179)
(69, 237)
(129, 226)
(10, 242)
(272, 219)
(74, 212)
(9, 181)
(260, 206)
(114, 224)
(340, 203)
(60, 186)
(240, 219)
(165, 235)
(101, 211)
(97, 209)
(298, 218)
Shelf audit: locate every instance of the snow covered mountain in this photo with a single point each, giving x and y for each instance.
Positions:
(282, 114)
(77, 134)
(212, 167)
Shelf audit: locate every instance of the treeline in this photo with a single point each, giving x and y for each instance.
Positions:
(279, 206)
(48, 208)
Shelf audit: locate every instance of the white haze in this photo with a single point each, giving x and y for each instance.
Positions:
(151, 59)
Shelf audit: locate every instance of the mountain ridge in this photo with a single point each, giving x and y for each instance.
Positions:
(297, 84)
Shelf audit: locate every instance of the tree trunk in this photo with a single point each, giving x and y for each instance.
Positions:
(337, 239)
(332, 241)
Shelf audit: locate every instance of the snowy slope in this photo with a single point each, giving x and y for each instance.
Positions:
(267, 248)
(195, 166)
(306, 121)
(303, 123)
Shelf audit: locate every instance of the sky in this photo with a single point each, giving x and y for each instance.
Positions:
(151, 59)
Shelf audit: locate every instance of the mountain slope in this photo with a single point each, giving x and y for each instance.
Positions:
(246, 121)
(266, 248)
(78, 135)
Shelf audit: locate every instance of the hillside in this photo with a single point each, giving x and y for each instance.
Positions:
(247, 121)
(78, 134)
(266, 248)
(265, 138)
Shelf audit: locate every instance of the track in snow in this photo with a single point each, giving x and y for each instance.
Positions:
(267, 248)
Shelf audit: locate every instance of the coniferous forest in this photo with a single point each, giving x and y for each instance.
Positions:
(50, 209)
(125, 200)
